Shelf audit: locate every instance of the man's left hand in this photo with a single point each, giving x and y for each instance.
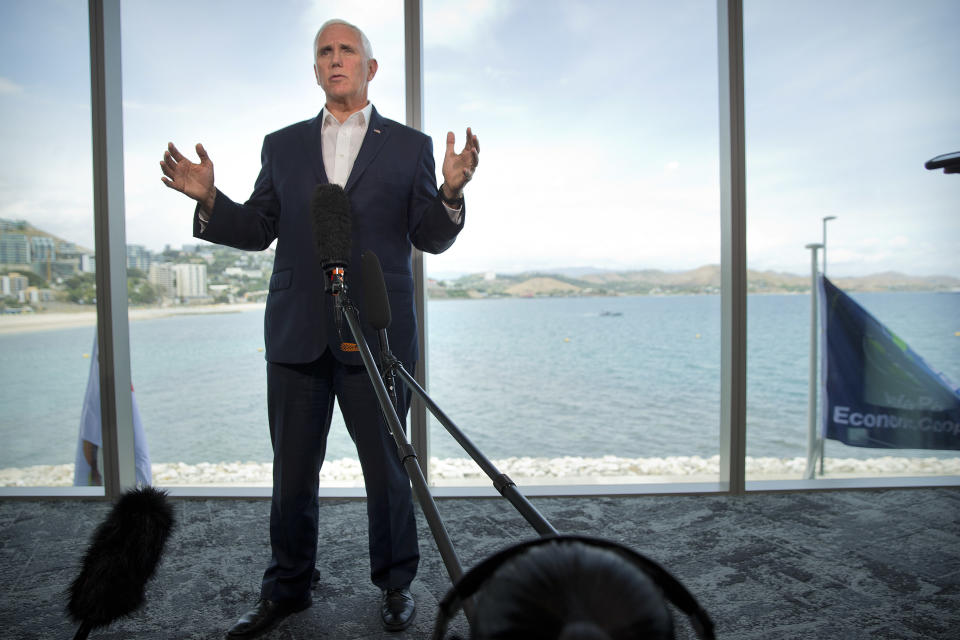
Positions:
(458, 168)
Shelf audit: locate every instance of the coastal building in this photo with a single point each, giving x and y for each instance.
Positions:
(12, 284)
(190, 280)
(14, 248)
(161, 276)
(138, 257)
(36, 295)
(43, 249)
(71, 259)
(88, 263)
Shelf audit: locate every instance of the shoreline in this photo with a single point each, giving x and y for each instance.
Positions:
(345, 472)
(51, 320)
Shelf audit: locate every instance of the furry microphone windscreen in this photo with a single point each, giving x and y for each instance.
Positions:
(330, 214)
(123, 554)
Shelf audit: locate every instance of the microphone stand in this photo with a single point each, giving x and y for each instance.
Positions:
(408, 455)
(335, 285)
(501, 481)
(373, 285)
(386, 367)
(385, 389)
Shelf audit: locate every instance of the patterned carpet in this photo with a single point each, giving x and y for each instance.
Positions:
(840, 564)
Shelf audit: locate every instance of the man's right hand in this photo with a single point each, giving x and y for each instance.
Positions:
(195, 180)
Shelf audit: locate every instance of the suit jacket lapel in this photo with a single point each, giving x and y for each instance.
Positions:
(377, 133)
(315, 151)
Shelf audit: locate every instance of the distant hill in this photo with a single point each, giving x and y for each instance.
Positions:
(27, 229)
(702, 280)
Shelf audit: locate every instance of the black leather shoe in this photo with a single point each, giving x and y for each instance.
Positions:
(263, 617)
(397, 609)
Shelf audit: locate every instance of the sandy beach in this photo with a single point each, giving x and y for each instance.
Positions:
(87, 317)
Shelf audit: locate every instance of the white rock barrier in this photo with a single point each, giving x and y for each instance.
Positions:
(523, 470)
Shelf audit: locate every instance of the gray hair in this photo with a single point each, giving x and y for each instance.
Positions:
(367, 49)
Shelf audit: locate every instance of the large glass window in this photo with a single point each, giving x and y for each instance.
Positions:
(47, 284)
(844, 104)
(226, 77)
(574, 325)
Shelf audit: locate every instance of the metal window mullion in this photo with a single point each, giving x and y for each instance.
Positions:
(413, 69)
(733, 357)
(106, 101)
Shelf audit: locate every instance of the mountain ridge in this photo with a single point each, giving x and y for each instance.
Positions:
(701, 280)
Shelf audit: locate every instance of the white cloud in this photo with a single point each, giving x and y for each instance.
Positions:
(9, 87)
(458, 24)
(380, 20)
(560, 203)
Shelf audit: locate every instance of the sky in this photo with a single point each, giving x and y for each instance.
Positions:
(598, 122)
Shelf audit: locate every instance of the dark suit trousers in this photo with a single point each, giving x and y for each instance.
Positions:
(300, 400)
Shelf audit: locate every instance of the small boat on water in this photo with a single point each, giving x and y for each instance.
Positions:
(610, 313)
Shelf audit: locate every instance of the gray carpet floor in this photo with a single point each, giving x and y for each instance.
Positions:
(839, 564)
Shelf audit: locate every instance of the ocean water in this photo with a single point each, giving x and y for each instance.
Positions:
(521, 377)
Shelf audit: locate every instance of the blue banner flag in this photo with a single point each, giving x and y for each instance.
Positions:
(877, 392)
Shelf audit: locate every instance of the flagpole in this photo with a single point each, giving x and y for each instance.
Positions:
(812, 447)
(826, 219)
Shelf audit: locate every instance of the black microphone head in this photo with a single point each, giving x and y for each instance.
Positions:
(123, 553)
(376, 304)
(330, 214)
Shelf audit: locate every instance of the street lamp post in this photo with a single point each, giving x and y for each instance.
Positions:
(826, 219)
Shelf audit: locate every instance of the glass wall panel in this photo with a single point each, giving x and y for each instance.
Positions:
(224, 74)
(574, 325)
(47, 282)
(845, 102)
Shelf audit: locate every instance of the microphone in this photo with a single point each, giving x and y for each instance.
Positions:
(376, 304)
(330, 214)
(122, 556)
(376, 309)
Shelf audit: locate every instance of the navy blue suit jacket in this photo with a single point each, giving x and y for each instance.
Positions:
(395, 205)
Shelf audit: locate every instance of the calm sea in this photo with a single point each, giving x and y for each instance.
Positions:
(634, 377)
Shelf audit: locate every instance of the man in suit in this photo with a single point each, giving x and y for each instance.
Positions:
(388, 173)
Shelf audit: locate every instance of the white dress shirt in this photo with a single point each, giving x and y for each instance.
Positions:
(341, 144)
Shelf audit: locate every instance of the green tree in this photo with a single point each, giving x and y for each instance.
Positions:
(141, 292)
(81, 288)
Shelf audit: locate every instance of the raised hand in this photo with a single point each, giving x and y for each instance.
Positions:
(190, 178)
(458, 168)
